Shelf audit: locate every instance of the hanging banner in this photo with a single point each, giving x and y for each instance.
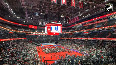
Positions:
(74, 20)
(73, 3)
(55, 1)
(63, 2)
(80, 4)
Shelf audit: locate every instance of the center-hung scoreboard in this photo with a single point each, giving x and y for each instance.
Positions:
(53, 28)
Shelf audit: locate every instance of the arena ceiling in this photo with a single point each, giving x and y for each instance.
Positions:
(24, 10)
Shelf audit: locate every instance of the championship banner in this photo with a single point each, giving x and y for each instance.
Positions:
(74, 20)
(81, 4)
(63, 2)
(55, 1)
(73, 3)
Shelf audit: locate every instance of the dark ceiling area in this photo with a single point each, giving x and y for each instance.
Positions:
(39, 12)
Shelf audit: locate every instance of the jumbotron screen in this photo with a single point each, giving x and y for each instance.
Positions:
(53, 28)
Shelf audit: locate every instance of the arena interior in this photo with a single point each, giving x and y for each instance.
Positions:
(57, 32)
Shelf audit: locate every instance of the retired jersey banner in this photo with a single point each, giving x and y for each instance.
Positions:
(73, 3)
(55, 1)
(81, 4)
(63, 2)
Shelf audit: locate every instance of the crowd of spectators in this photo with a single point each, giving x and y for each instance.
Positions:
(54, 49)
(25, 53)
(18, 52)
(5, 34)
(94, 53)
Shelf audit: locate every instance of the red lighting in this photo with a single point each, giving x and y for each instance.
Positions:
(11, 32)
(11, 39)
(86, 32)
(31, 26)
(94, 19)
(92, 29)
(96, 22)
(11, 22)
(114, 39)
(36, 34)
